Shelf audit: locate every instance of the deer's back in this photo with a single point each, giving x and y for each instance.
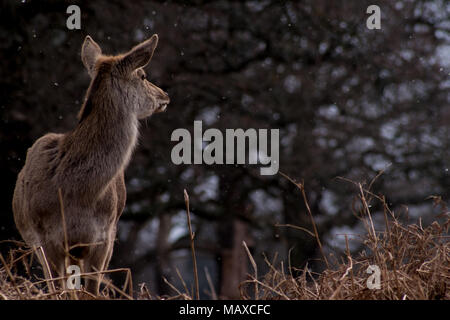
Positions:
(37, 209)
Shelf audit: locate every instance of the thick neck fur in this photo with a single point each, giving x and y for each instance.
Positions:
(101, 145)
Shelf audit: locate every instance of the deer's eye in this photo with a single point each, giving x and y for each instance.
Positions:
(143, 77)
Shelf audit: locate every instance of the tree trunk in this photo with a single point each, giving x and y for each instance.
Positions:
(234, 266)
(162, 254)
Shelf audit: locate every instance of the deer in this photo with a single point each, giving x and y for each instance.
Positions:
(71, 192)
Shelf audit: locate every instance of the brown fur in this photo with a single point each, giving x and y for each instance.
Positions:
(87, 164)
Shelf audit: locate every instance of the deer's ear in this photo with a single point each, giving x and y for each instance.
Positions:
(90, 51)
(140, 55)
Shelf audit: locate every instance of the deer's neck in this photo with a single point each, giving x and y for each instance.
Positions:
(99, 147)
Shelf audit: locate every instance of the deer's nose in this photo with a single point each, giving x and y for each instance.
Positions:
(166, 96)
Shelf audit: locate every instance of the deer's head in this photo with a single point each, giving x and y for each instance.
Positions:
(124, 78)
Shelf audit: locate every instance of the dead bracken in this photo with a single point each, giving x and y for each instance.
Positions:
(414, 263)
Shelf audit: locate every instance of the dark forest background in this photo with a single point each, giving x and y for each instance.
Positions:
(349, 102)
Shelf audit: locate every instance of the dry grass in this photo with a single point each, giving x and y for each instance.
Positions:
(30, 287)
(413, 261)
